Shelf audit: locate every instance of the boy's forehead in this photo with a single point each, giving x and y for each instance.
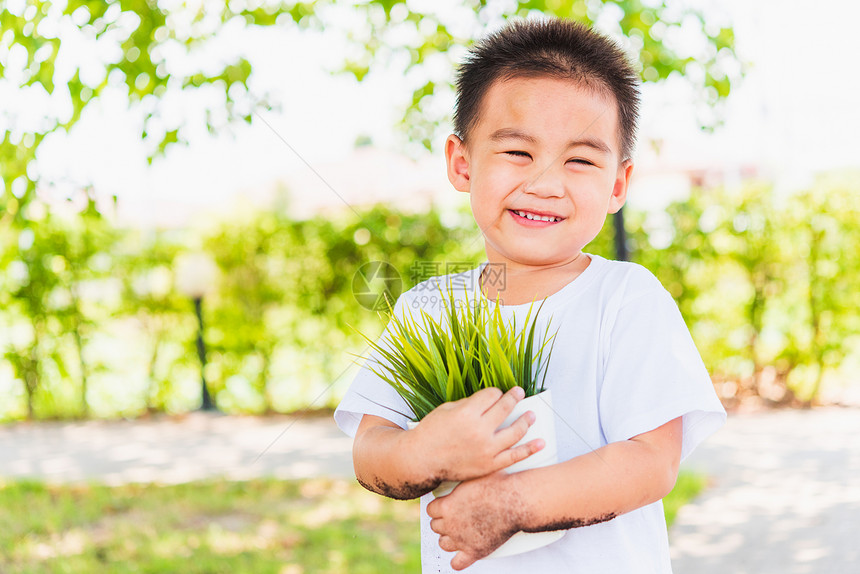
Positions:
(512, 107)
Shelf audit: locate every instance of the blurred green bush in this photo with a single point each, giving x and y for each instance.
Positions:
(91, 321)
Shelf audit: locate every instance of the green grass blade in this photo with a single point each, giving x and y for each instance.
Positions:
(471, 346)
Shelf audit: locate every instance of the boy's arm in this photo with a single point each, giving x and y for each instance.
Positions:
(479, 515)
(457, 441)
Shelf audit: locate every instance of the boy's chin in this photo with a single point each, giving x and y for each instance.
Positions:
(534, 258)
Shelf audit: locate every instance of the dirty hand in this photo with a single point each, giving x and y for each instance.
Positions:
(476, 518)
(462, 440)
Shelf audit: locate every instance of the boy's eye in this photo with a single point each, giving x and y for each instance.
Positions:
(518, 153)
(580, 161)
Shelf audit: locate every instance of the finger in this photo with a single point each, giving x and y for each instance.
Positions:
(437, 525)
(447, 544)
(513, 455)
(462, 560)
(500, 410)
(511, 435)
(484, 399)
(434, 509)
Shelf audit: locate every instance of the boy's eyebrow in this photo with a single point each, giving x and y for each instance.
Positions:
(513, 133)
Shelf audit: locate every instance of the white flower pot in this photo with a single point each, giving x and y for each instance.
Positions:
(543, 427)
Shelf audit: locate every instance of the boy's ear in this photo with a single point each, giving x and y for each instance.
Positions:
(457, 161)
(619, 191)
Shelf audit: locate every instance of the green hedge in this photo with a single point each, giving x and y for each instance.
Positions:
(91, 322)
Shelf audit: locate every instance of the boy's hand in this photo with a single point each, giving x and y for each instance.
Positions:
(476, 518)
(461, 439)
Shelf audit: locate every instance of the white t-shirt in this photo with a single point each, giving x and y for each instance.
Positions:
(623, 363)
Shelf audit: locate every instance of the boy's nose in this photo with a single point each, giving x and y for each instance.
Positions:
(545, 183)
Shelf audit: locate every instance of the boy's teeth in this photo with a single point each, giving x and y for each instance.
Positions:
(535, 217)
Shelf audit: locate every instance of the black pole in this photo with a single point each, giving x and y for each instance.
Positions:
(208, 404)
(621, 253)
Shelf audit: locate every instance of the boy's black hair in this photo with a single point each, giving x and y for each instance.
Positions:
(551, 48)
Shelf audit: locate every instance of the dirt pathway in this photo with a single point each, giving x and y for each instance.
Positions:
(785, 498)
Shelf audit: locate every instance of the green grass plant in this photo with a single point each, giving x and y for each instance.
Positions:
(471, 348)
(261, 526)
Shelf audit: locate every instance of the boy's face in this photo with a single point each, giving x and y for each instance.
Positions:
(544, 146)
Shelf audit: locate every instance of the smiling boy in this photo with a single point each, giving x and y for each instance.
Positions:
(544, 130)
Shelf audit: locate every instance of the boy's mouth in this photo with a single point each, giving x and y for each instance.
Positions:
(532, 217)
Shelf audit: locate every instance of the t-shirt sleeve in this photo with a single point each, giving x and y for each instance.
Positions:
(368, 393)
(653, 374)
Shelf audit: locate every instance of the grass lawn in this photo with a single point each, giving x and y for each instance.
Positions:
(259, 527)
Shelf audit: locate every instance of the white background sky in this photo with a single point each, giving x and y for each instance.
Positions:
(794, 115)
